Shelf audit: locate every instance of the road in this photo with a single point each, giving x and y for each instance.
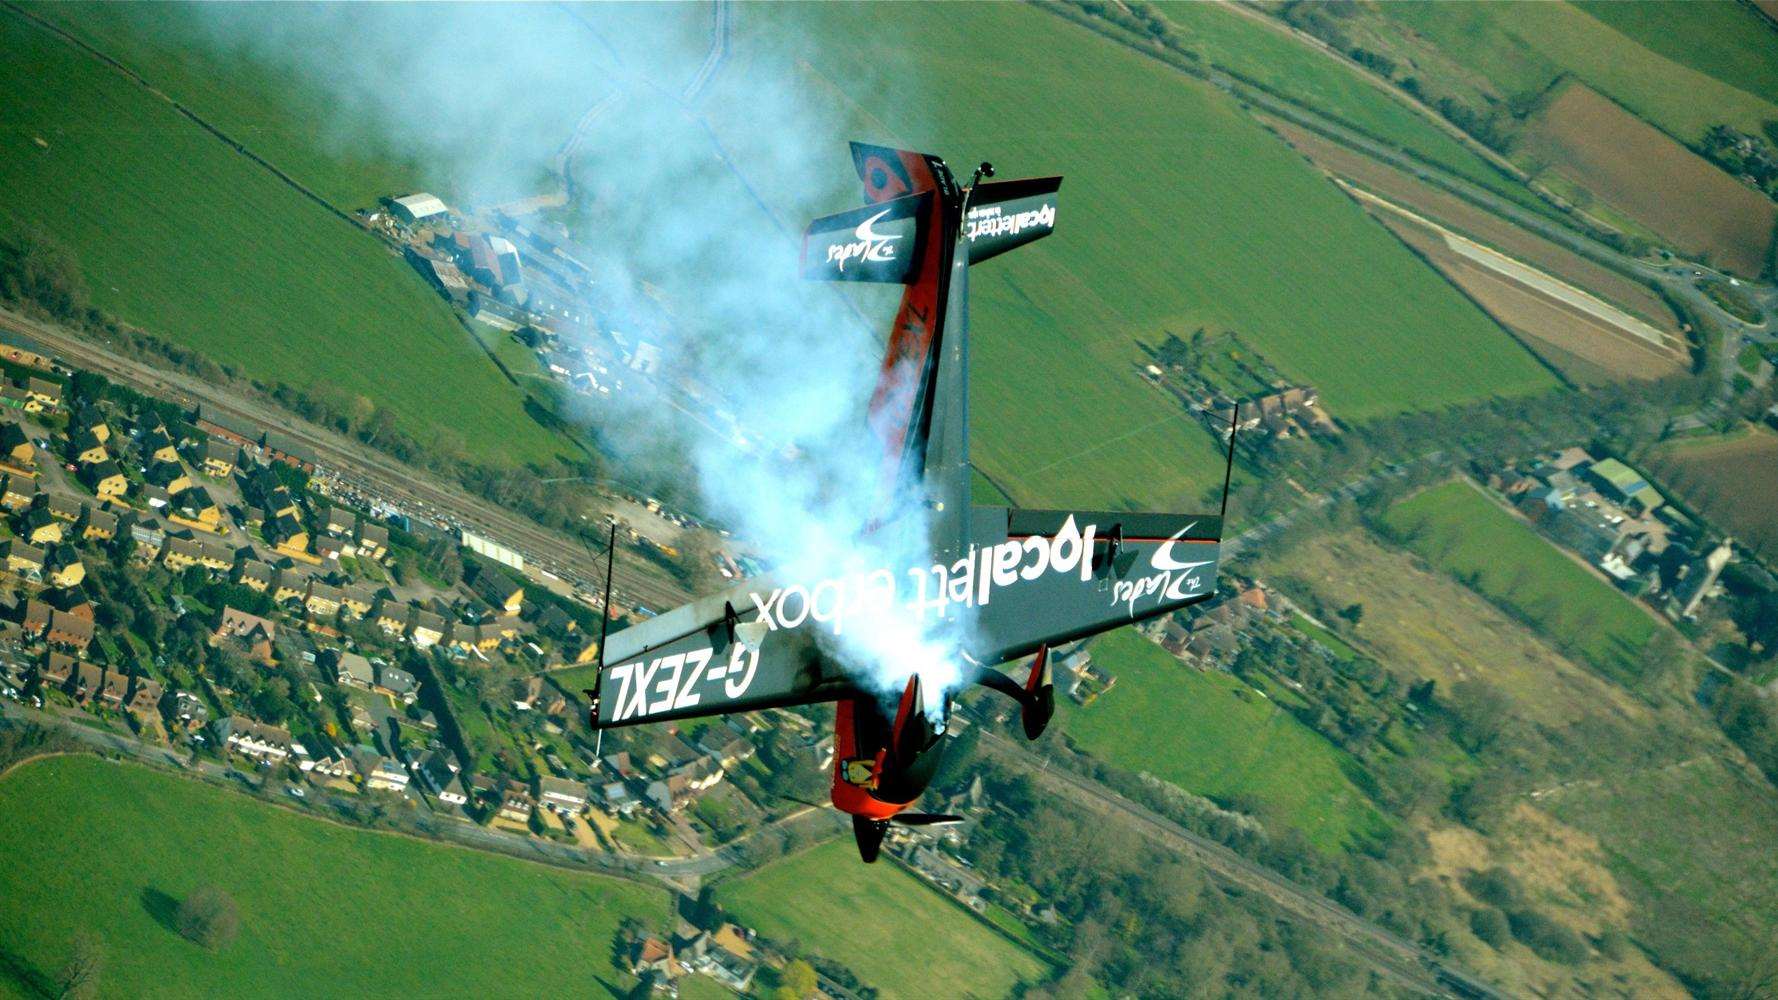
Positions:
(640, 581)
(1391, 955)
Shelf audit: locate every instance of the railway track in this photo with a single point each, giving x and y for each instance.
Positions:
(640, 582)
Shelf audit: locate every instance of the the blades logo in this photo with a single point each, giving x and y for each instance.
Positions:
(1173, 579)
(870, 245)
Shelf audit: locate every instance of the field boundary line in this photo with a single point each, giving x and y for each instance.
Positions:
(186, 112)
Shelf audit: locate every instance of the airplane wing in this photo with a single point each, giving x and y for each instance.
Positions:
(711, 657)
(1059, 575)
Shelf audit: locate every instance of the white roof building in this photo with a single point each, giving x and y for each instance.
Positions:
(418, 207)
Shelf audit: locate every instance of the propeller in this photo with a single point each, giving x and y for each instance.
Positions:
(904, 819)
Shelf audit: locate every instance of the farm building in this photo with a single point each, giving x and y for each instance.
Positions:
(417, 208)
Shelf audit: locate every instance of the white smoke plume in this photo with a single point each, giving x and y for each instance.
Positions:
(695, 256)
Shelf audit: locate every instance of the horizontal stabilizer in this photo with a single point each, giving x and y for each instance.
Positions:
(1007, 214)
(878, 242)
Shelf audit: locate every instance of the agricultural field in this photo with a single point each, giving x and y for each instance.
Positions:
(181, 236)
(1459, 530)
(867, 917)
(1422, 624)
(1223, 739)
(86, 843)
(1484, 227)
(1055, 325)
(1732, 480)
(1726, 40)
(1588, 340)
(1519, 50)
(1702, 889)
(1629, 165)
(1266, 53)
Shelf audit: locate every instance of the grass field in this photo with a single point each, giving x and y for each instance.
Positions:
(89, 844)
(1645, 174)
(871, 919)
(1221, 739)
(1733, 480)
(1178, 210)
(1523, 48)
(1722, 38)
(178, 234)
(1461, 531)
(1692, 846)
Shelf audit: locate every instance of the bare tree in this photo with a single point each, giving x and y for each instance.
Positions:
(209, 917)
(79, 977)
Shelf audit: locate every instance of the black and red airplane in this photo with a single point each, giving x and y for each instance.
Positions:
(1026, 580)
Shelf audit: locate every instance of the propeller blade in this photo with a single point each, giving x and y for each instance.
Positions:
(926, 819)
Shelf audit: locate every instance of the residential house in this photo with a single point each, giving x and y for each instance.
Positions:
(338, 522)
(197, 508)
(331, 548)
(426, 629)
(87, 678)
(256, 575)
(145, 698)
(169, 476)
(16, 398)
(654, 955)
(354, 670)
(357, 600)
(90, 421)
(101, 526)
(158, 445)
(64, 567)
(106, 481)
(17, 454)
(45, 393)
(190, 709)
(289, 587)
(64, 508)
(397, 683)
(180, 554)
(87, 449)
(22, 558)
(373, 539)
(393, 617)
(18, 493)
(669, 794)
(502, 592)
(323, 600)
(516, 804)
(220, 457)
(57, 670)
(616, 797)
(562, 795)
(253, 633)
(386, 774)
(39, 526)
(69, 630)
(113, 689)
(286, 533)
(439, 773)
(252, 738)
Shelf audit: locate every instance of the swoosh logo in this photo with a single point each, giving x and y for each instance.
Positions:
(869, 235)
(1163, 556)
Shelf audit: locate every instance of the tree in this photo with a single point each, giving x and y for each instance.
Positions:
(79, 976)
(798, 980)
(1353, 613)
(209, 917)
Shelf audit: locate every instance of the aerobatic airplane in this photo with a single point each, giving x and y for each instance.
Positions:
(1027, 580)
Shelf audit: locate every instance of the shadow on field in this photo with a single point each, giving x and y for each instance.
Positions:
(162, 907)
(31, 980)
(611, 988)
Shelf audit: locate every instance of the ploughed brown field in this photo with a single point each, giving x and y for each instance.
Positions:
(1585, 348)
(1447, 209)
(1733, 481)
(1640, 171)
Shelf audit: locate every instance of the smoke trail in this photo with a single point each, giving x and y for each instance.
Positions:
(690, 254)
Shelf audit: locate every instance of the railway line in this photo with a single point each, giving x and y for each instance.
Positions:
(447, 507)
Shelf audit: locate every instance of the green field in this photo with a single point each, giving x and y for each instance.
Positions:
(181, 236)
(872, 919)
(1221, 739)
(325, 909)
(1523, 48)
(1461, 531)
(1269, 56)
(1726, 39)
(1179, 211)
